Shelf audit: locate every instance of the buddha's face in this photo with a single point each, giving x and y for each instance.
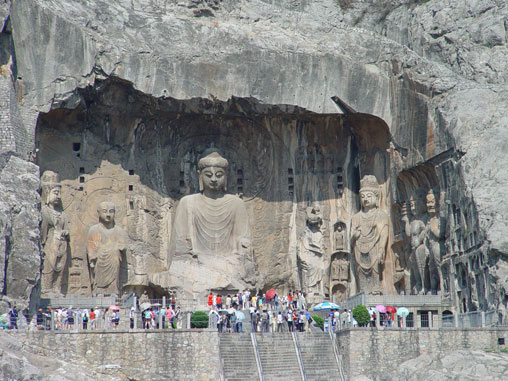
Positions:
(106, 212)
(213, 179)
(431, 203)
(54, 197)
(368, 199)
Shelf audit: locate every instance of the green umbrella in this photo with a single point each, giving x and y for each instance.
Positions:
(4, 318)
(402, 311)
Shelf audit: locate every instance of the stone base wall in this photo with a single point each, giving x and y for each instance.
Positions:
(142, 355)
(372, 352)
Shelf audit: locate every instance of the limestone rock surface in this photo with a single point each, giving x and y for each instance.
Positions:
(19, 231)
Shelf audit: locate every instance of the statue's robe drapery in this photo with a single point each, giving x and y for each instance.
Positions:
(210, 243)
(55, 247)
(370, 249)
(106, 246)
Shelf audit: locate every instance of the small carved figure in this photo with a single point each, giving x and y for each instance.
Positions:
(435, 236)
(54, 235)
(416, 231)
(369, 238)
(106, 249)
(339, 236)
(339, 269)
(311, 254)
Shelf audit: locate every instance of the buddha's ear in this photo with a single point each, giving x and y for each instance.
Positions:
(225, 183)
(201, 188)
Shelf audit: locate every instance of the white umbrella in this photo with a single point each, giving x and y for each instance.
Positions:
(145, 306)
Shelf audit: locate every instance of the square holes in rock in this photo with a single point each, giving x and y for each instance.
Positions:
(131, 172)
(81, 179)
(290, 182)
(500, 341)
(81, 170)
(131, 188)
(76, 147)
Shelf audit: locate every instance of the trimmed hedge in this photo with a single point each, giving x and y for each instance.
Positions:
(318, 320)
(361, 315)
(199, 319)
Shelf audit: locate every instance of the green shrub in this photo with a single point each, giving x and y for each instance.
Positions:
(199, 319)
(361, 315)
(318, 320)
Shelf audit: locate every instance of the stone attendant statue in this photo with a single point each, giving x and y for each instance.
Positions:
(369, 238)
(435, 237)
(106, 249)
(211, 240)
(54, 235)
(311, 261)
(417, 232)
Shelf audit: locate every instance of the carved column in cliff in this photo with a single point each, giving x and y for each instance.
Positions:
(340, 263)
(369, 238)
(54, 237)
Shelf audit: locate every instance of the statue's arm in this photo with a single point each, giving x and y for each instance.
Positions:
(93, 243)
(383, 240)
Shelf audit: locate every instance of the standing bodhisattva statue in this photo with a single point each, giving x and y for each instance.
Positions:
(211, 241)
(369, 238)
(106, 248)
(54, 235)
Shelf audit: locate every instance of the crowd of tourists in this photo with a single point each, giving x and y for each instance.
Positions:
(268, 312)
(159, 318)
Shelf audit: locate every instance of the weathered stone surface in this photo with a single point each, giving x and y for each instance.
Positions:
(439, 79)
(20, 262)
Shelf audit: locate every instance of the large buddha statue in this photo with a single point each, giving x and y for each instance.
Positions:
(211, 241)
(106, 250)
(369, 238)
(54, 236)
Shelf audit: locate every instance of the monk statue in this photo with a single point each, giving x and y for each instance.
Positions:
(310, 255)
(416, 231)
(54, 235)
(369, 238)
(106, 249)
(211, 241)
(435, 238)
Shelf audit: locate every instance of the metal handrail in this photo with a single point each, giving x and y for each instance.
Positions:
(256, 354)
(299, 356)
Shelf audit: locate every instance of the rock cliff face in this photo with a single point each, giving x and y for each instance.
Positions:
(434, 71)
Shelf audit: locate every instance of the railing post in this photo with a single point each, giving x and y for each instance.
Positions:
(430, 319)
(378, 320)
(52, 320)
(456, 320)
(164, 302)
(483, 318)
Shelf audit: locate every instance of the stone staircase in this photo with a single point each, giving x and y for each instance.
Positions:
(318, 356)
(278, 356)
(238, 357)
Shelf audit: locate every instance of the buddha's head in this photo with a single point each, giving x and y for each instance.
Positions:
(51, 189)
(369, 192)
(430, 200)
(106, 212)
(212, 171)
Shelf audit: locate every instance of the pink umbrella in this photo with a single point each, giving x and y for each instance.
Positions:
(381, 308)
